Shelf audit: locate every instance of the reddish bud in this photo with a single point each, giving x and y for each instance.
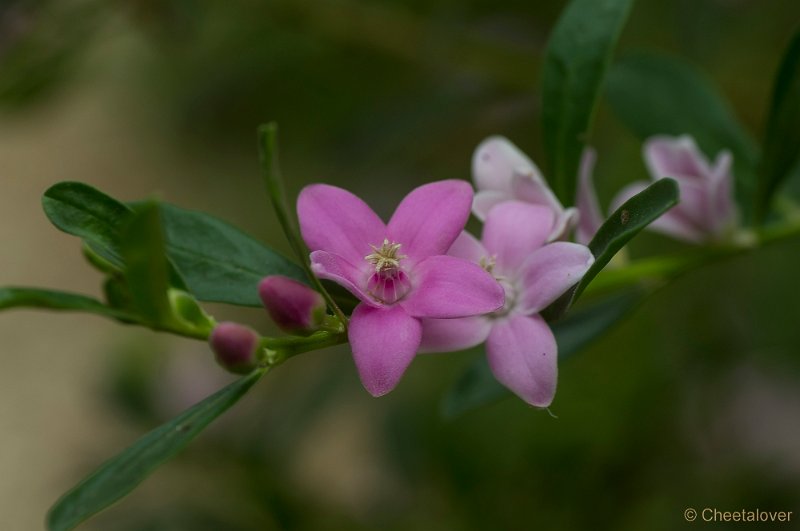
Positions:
(235, 347)
(293, 306)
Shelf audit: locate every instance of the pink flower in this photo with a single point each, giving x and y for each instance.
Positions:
(503, 173)
(399, 271)
(521, 349)
(706, 210)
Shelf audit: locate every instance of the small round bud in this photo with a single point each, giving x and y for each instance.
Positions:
(293, 306)
(235, 347)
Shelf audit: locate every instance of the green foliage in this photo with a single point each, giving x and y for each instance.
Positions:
(625, 223)
(219, 262)
(146, 271)
(782, 143)
(122, 473)
(658, 95)
(577, 57)
(477, 386)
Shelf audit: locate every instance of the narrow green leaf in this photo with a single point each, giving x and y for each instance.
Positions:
(121, 474)
(626, 222)
(146, 267)
(219, 262)
(782, 143)
(576, 60)
(268, 154)
(85, 212)
(19, 297)
(660, 95)
(477, 386)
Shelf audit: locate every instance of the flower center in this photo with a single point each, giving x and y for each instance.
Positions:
(488, 264)
(389, 283)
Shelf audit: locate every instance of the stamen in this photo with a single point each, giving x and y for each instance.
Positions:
(488, 263)
(386, 257)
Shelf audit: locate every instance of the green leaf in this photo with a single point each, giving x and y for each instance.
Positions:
(268, 154)
(576, 60)
(85, 212)
(782, 143)
(146, 269)
(98, 219)
(660, 95)
(625, 223)
(121, 474)
(18, 297)
(219, 262)
(477, 386)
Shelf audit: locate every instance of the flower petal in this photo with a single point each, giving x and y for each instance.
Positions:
(522, 355)
(333, 267)
(431, 217)
(384, 341)
(494, 162)
(531, 188)
(513, 230)
(549, 272)
(446, 287)
(447, 335)
(334, 220)
(485, 200)
(468, 247)
(591, 217)
(676, 157)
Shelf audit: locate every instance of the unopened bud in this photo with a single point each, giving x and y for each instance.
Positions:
(235, 347)
(293, 306)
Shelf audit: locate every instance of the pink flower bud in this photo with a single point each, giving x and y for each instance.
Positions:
(293, 306)
(235, 347)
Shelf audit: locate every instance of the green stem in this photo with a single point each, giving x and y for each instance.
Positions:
(267, 135)
(669, 267)
(281, 349)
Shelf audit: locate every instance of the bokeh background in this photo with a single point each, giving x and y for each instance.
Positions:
(692, 402)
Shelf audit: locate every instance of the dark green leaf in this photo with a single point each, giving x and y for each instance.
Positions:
(219, 262)
(478, 387)
(782, 143)
(657, 95)
(121, 474)
(625, 223)
(85, 212)
(576, 60)
(146, 267)
(58, 300)
(98, 219)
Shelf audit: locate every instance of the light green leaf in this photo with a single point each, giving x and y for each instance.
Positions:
(19, 297)
(576, 60)
(121, 474)
(146, 268)
(219, 262)
(477, 386)
(781, 154)
(660, 95)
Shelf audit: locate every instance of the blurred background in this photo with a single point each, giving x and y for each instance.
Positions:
(692, 402)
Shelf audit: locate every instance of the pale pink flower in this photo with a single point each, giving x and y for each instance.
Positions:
(399, 271)
(520, 347)
(503, 173)
(706, 210)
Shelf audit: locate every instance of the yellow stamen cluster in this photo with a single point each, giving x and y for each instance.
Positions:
(487, 263)
(385, 257)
